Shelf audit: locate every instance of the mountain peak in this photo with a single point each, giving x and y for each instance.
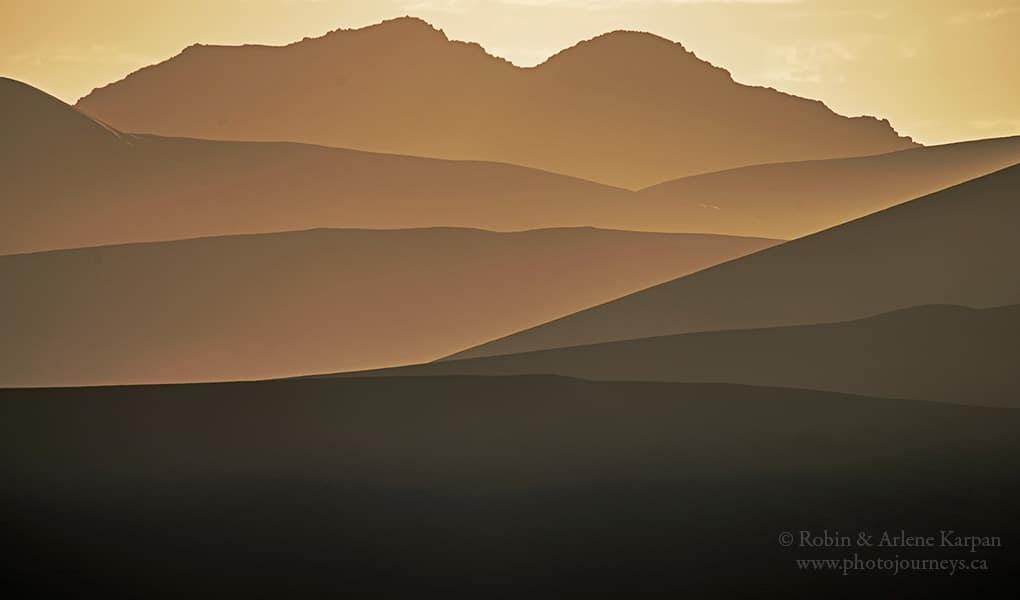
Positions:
(626, 108)
(632, 51)
(400, 28)
(621, 39)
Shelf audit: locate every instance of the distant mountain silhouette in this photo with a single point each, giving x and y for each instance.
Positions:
(957, 246)
(260, 306)
(943, 353)
(625, 108)
(791, 200)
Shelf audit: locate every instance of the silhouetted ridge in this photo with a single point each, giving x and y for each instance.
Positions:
(409, 37)
(626, 108)
(397, 28)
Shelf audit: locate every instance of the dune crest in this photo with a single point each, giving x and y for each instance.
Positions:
(941, 353)
(956, 246)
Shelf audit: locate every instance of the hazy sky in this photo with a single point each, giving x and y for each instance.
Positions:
(940, 70)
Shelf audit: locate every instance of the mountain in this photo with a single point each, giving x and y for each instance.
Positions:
(398, 485)
(791, 200)
(941, 353)
(956, 246)
(626, 108)
(272, 305)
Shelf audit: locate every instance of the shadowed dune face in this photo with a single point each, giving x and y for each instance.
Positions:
(449, 484)
(260, 306)
(957, 246)
(628, 109)
(942, 353)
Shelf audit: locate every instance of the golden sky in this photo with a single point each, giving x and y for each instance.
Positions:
(940, 70)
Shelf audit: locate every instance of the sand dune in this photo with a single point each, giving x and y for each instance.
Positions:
(72, 182)
(942, 353)
(957, 246)
(259, 306)
(791, 200)
(628, 109)
(298, 488)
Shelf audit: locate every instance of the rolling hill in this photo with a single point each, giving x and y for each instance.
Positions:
(791, 200)
(273, 305)
(626, 108)
(957, 246)
(940, 353)
(71, 181)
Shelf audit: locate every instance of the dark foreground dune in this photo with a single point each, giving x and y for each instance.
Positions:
(944, 353)
(493, 487)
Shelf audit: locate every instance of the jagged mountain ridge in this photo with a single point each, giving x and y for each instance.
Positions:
(625, 108)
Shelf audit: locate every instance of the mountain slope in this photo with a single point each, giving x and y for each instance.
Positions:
(957, 246)
(791, 200)
(260, 306)
(628, 109)
(943, 353)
